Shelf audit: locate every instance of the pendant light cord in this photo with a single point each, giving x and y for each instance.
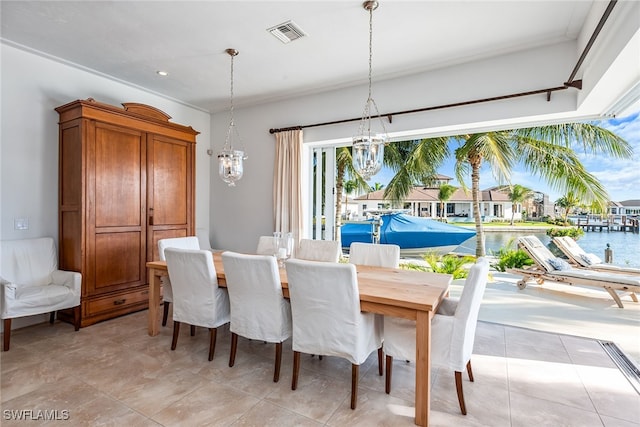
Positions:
(370, 107)
(231, 93)
(370, 47)
(227, 143)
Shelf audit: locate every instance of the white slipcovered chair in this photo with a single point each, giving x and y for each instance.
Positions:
(377, 255)
(325, 307)
(453, 330)
(265, 245)
(258, 309)
(190, 242)
(197, 299)
(319, 250)
(203, 238)
(31, 283)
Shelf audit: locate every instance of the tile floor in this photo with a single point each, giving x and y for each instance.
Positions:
(113, 373)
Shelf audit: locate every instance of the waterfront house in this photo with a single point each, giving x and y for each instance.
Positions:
(423, 201)
(625, 207)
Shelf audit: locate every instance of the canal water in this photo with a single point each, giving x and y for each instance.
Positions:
(625, 245)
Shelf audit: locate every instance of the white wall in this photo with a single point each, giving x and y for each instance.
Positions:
(32, 86)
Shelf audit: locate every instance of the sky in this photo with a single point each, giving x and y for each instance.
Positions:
(621, 178)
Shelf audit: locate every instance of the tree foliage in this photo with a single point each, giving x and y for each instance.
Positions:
(445, 191)
(518, 194)
(545, 151)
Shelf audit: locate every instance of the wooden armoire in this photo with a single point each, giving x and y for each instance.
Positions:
(126, 180)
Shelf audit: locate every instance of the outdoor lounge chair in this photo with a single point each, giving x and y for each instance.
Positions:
(581, 259)
(548, 267)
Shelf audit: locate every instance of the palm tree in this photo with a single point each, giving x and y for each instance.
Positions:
(597, 208)
(348, 187)
(413, 162)
(567, 202)
(344, 166)
(545, 151)
(517, 195)
(377, 186)
(444, 193)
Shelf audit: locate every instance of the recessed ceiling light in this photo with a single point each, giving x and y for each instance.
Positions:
(162, 73)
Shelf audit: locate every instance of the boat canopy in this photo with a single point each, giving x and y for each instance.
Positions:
(406, 231)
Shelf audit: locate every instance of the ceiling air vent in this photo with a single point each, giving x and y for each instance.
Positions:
(287, 32)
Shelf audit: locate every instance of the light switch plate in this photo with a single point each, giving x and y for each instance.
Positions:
(21, 223)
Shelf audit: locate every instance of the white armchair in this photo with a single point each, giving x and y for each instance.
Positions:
(203, 238)
(377, 255)
(319, 250)
(197, 300)
(31, 283)
(258, 309)
(326, 317)
(265, 245)
(190, 242)
(453, 331)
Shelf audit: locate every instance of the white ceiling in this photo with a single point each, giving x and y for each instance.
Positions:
(131, 40)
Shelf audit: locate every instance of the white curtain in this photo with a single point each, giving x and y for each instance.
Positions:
(287, 186)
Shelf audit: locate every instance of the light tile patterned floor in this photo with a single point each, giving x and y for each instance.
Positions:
(113, 373)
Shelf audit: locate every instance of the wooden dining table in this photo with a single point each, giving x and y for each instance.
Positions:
(393, 292)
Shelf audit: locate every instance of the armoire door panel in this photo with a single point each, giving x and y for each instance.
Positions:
(120, 264)
(71, 213)
(70, 166)
(168, 166)
(118, 177)
(70, 223)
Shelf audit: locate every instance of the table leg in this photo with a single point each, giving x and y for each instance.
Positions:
(154, 297)
(423, 367)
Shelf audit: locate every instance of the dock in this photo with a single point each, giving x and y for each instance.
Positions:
(611, 223)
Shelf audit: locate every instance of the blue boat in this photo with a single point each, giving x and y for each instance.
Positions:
(413, 234)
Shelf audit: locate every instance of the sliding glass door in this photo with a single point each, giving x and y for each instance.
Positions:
(322, 191)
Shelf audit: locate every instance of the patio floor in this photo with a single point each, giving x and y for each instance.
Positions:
(559, 308)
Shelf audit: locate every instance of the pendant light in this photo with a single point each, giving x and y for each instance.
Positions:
(368, 145)
(230, 160)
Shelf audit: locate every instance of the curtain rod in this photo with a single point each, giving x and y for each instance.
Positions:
(548, 91)
(592, 39)
(569, 83)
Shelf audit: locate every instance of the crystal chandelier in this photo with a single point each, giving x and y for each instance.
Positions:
(230, 160)
(368, 146)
